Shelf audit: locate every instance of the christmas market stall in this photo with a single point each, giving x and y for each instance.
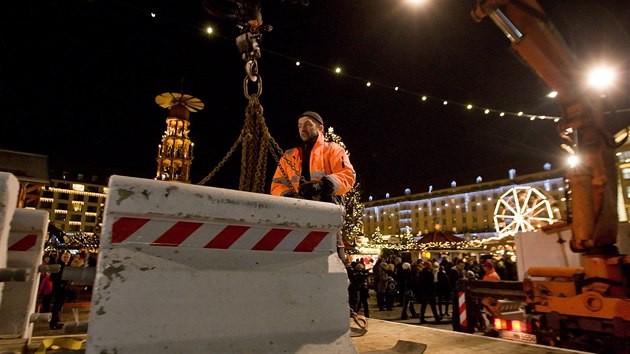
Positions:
(440, 244)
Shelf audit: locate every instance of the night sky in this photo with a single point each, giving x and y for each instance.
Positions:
(78, 81)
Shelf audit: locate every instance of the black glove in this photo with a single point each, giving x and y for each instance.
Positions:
(290, 194)
(308, 190)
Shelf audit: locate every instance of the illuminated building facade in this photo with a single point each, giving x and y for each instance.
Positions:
(467, 209)
(74, 205)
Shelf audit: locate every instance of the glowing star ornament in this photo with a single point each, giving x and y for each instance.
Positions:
(522, 209)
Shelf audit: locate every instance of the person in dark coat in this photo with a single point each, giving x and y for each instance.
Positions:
(353, 288)
(379, 283)
(443, 292)
(426, 292)
(398, 263)
(391, 287)
(59, 292)
(361, 283)
(405, 286)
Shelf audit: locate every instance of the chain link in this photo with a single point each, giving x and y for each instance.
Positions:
(223, 161)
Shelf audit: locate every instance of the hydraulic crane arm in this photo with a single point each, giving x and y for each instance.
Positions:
(593, 182)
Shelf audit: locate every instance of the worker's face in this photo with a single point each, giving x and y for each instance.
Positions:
(65, 257)
(309, 129)
(460, 266)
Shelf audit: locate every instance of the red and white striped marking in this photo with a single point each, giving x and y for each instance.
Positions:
(22, 243)
(218, 236)
(463, 321)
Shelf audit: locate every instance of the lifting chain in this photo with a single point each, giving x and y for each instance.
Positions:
(254, 137)
(256, 141)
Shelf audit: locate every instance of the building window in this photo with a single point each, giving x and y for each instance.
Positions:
(75, 217)
(625, 173)
(63, 196)
(90, 219)
(93, 199)
(62, 206)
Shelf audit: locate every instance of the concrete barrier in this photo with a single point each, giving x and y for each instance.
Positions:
(9, 189)
(192, 269)
(25, 251)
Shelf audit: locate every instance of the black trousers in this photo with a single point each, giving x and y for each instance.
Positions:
(431, 301)
(363, 302)
(59, 298)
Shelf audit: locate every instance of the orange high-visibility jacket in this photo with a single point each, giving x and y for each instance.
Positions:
(327, 159)
(491, 275)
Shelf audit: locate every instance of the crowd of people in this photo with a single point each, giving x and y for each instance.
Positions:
(53, 290)
(426, 282)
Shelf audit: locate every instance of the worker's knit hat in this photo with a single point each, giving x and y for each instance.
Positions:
(314, 116)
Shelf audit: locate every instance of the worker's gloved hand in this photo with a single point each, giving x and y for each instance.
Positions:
(308, 190)
(312, 189)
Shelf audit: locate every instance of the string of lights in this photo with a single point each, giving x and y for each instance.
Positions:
(420, 97)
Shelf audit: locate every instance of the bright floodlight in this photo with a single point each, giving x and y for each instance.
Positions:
(209, 29)
(552, 94)
(338, 70)
(573, 161)
(415, 2)
(601, 77)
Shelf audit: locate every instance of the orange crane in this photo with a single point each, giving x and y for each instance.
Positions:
(584, 307)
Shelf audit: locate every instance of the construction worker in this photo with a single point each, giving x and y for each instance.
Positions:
(316, 169)
(489, 273)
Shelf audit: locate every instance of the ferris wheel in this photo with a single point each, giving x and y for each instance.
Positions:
(522, 209)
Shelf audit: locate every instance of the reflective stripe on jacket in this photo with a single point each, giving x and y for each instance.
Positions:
(327, 159)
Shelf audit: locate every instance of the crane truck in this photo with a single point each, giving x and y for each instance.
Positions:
(584, 307)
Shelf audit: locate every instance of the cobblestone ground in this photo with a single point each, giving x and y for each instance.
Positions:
(396, 314)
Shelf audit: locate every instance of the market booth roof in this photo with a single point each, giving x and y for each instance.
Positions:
(439, 236)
